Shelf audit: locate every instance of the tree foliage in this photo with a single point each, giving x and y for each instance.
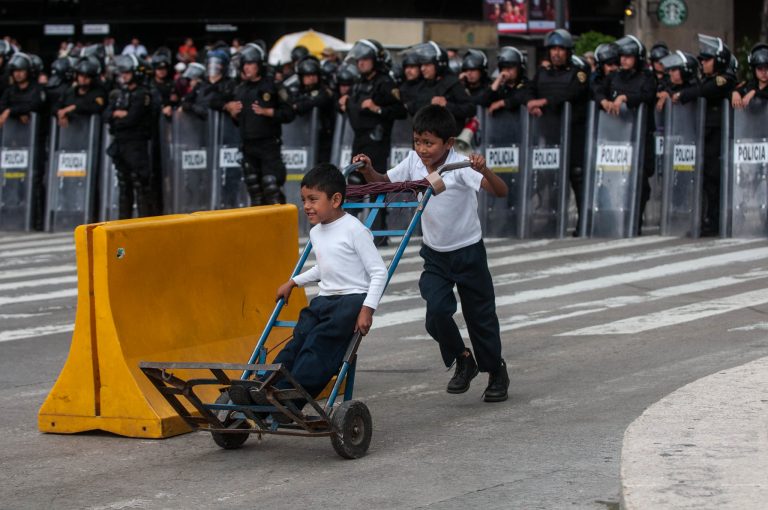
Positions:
(588, 41)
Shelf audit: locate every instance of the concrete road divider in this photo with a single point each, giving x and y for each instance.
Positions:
(197, 287)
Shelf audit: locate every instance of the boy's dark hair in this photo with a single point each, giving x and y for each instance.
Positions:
(326, 178)
(437, 120)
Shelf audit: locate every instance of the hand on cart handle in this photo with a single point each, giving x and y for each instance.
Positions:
(364, 320)
(351, 168)
(367, 166)
(284, 291)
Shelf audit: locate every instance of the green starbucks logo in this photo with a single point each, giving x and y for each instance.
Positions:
(672, 13)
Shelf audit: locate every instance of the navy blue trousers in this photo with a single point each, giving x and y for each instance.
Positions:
(320, 340)
(467, 270)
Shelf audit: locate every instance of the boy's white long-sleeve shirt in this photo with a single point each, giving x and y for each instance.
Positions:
(347, 261)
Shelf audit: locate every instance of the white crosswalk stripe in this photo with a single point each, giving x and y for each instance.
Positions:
(568, 285)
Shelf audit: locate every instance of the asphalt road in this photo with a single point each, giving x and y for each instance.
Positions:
(593, 332)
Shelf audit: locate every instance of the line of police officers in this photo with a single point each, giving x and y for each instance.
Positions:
(373, 94)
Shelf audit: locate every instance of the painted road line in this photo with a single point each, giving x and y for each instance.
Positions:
(19, 334)
(675, 316)
(46, 296)
(39, 243)
(36, 271)
(41, 282)
(37, 251)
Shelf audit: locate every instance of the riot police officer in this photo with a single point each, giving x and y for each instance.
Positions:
(607, 60)
(658, 52)
(633, 84)
(21, 99)
(556, 84)
(59, 82)
(757, 86)
(474, 75)
(373, 105)
(194, 101)
(129, 115)
(682, 85)
(346, 76)
(86, 97)
(717, 84)
(260, 106)
(310, 92)
(6, 51)
(412, 81)
(510, 89)
(441, 86)
(161, 87)
(219, 89)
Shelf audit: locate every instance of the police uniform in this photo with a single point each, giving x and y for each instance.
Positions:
(303, 100)
(409, 93)
(373, 131)
(560, 85)
(514, 94)
(458, 101)
(195, 102)
(477, 92)
(91, 101)
(130, 151)
(218, 94)
(639, 86)
(263, 167)
(714, 89)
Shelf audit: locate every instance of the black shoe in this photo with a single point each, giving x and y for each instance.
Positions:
(381, 241)
(466, 370)
(498, 384)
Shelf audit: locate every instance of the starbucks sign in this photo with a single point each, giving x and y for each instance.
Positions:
(672, 13)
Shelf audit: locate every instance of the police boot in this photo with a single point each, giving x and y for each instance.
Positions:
(253, 186)
(466, 370)
(272, 192)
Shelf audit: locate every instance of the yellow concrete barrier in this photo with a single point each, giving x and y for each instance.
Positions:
(196, 287)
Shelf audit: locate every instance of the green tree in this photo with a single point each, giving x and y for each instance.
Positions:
(588, 41)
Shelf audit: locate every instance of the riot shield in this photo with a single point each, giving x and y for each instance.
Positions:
(72, 172)
(652, 214)
(682, 169)
(402, 141)
(299, 155)
(229, 190)
(505, 150)
(343, 136)
(614, 158)
(191, 163)
(18, 160)
(544, 208)
(109, 191)
(744, 188)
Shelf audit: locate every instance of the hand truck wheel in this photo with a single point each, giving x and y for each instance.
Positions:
(353, 429)
(229, 440)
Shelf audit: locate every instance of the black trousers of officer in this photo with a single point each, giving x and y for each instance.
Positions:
(264, 171)
(134, 176)
(467, 270)
(320, 340)
(711, 176)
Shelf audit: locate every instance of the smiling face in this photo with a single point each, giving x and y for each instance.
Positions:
(431, 148)
(319, 207)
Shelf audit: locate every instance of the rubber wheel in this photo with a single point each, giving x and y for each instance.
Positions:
(229, 441)
(353, 421)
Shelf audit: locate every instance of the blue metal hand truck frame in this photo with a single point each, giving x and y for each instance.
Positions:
(275, 411)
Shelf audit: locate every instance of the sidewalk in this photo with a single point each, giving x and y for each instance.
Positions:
(703, 446)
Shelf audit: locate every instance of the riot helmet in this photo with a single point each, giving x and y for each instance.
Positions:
(61, 72)
(368, 48)
(607, 54)
(216, 62)
(758, 55)
(20, 62)
(251, 54)
(410, 58)
(308, 65)
(559, 38)
(160, 61)
(714, 47)
(630, 46)
(687, 63)
(37, 66)
(474, 59)
(194, 71)
(431, 53)
(580, 64)
(89, 66)
(658, 51)
(299, 53)
(6, 50)
(509, 56)
(347, 74)
(328, 69)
